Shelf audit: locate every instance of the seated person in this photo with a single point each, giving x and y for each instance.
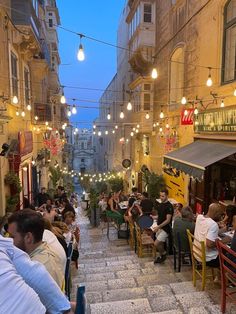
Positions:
(133, 211)
(26, 228)
(207, 230)
(50, 213)
(17, 274)
(67, 207)
(112, 206)
(233, 245)
(228, 220)
(146, 204)
(181, 224)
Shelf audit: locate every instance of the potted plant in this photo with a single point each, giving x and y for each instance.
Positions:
(14, 183)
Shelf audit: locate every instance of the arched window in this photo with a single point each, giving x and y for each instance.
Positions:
(229, 46)
(176, 77)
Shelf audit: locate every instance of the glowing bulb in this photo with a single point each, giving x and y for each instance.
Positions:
(184, 101)
(161, 115)
(235, 92)
(36, 118)
(69, 113)
(222, 103)
(109, 116)
(63, 99)
(129, 106)
(23, 114)
(99, 133)
(113, 131)
(209, 81)
(76, 130)
(167, 125)
(94, 133)
(74, 110)
(132, 134)
(15, 100)
(122, 115)
(106, 132)
(94, 126)
(154, 73)
(185, 112)
(116, 127)
(25, 168)
(195, 111)
(17, 113)
(147, 116)
(138, 126)
(28, 107)
(33, 162)
(160, 129)
(157, 123)
(154, 125)
(46, 123)
(136, 130)
(80, 54)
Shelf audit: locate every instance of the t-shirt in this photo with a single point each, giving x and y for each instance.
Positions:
(164, 209)
(206, 228)
(146, 205)
(180, 226)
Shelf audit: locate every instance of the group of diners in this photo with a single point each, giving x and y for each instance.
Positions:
(171, 222)
(34, 250)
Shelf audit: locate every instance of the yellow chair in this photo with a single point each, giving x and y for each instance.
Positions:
(144, 241)
(131, 235)
(198, 255)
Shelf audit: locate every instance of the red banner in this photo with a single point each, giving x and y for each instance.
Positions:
(187, 116)
(25, 143)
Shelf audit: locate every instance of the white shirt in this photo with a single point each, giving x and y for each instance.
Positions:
(56, 246)
(207, 228)
(15, 265)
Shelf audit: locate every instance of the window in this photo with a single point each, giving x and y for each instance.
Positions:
(50, 22)
(229, 49)
(134, 22)
(27, 85)
(82, 159)
(147, 13)
(147, 102)
(82, 145)
(176, 77)
(14, 74)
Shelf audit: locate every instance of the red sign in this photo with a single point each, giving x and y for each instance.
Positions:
(25, 143)
(187, 116)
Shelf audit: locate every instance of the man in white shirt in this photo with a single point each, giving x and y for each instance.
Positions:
(207, 230)
(28, 287)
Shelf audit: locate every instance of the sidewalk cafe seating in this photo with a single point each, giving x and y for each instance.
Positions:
(144, 242)
(180, 252)
(198, 255)
(228, 274)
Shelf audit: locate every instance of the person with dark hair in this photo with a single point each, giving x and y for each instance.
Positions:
(61, 194)
(181, 224)
(67, 207)
(230, 212)
(26, 227)
(146, 204)
(163, 230)
(42, 197)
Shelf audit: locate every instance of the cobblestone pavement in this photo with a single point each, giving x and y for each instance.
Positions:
(119, 282)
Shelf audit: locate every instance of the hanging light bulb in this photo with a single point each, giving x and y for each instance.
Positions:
(99, 133)
(185, 112)
(132, 133)
(222, 103)
(15, 100)
(161, 115)
(94, 133)
(209, 81)
(235, 92)
(154, 73)
(138, 126)
(161, 129)
(69, 113)
(154, 125)
(122, 114)
(129, 106)
(94, 126)
(157, 124)
(167, 125)
(136, 130)
(46, 123)
(36, 118)
(23, 114)
(184, 100)
(116, 127)
(106, 132)
(76, 130)
(109, 116)
(17, 113)
(74, 110)
(28, 107)
(147, 116)
(80, 54)
(113, 131)
(63, 99)
(195, 111)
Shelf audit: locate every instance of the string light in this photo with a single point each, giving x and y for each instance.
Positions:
(235, 92)
(113, 131)
(167, 125)
(195, 111)
(222, 103)
(209, 81)
(74, 110)
(138, 126)
(36, 118)
(80, 54)
(147, 116)
(161, 129)
(162, 115)
(132, 133)
(17, 113)
(99, 133)
(63, 99)
(116, 127)
(109, 115)
(23, 114)
(28, 107)
(136, 130)
(122, 114)
(154, 73)
(184, 100)
(129, 106)
(94, 126)
(69, 112)
(15, 100)
(106, 132)
(46, 123)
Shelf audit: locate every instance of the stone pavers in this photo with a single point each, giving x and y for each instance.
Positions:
(118, 282)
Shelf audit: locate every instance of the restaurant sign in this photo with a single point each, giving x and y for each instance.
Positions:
(218, 120)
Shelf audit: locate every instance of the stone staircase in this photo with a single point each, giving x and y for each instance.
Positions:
(119, 282)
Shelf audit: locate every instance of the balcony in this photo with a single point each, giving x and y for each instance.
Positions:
(43, 112)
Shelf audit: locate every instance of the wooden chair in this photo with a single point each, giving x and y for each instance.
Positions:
(131, 235)
(198, 255)
(228, 273)
(178, 251)
(144, 241)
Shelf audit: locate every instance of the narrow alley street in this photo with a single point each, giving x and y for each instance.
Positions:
(117, 281)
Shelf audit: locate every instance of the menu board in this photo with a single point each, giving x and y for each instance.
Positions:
(218, 120)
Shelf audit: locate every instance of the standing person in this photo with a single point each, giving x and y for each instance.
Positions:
(163, 230)
(26, 228)
(42, 198)
(146, 204)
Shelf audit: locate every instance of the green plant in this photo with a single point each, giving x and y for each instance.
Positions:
(116, 184)
(14, 183)
(55, 176)
(154, 183)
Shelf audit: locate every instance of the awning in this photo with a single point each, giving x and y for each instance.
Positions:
(193, 159)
